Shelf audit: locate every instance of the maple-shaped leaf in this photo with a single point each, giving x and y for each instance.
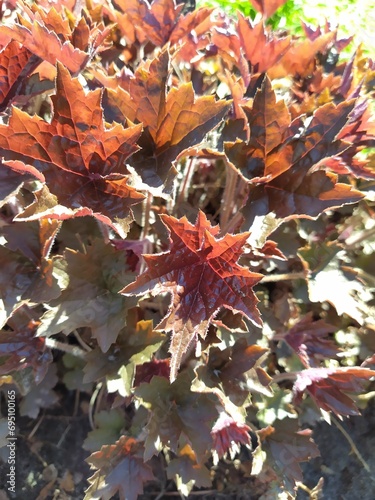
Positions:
(283, 178)
(203, 276)
(20, 348)
(261, 48)
(134, 347)
(174, 412)
(267, 7)
(49, 36)
(228, 435)
(329, 387)
(76, 151)
(309, 339)
(152, 21)
(91, 298)
(120, 469)
(286, 447)
(16, 63)
(173, 121)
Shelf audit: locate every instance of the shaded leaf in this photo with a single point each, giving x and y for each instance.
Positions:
(108, 425)
(329, 280)
(10, 183)
(309, 339)
(202, 274)
(20, 348)
(26, 255)
(188, 473)
(286, 447)
(236, 371)
(41, 395)
(120, 469)
(91, 297)
(134, 347)
(77, 151)
(174, 413)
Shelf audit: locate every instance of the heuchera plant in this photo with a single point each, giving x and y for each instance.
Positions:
(186, 208)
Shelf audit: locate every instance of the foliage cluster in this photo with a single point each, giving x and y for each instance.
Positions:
(187, 213)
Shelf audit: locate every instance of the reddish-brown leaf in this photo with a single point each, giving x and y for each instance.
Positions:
(120, 469)
(192, 33)
(48, 35)
(309, 340)
(16, 63)
(328, 387)
(281, 160)
(267, 7)
(80, 159)
(202, 274)
(153, 22)
(261, 48)
(228, 435)
(301, 58)
(173, 122)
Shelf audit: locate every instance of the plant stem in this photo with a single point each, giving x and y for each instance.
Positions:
(228, 197)
(183, 193)
(352, 444)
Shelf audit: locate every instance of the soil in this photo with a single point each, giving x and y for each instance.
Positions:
(50, 460)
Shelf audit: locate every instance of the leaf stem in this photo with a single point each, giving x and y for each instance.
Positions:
(271, 278)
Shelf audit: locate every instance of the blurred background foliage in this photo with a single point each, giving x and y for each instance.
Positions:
(352, 17)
